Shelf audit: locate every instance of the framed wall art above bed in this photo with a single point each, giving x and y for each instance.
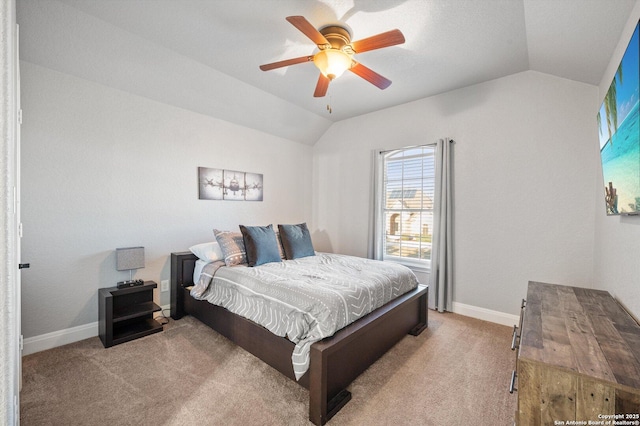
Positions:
(220, 184)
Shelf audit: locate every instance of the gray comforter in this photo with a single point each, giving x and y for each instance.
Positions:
(305, 299)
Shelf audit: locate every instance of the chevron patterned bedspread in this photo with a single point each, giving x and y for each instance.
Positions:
(305, 299)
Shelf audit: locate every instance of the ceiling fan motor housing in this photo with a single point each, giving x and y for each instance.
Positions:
(339, 37)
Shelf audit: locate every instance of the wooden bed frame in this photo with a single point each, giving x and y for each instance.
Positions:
(335, 361)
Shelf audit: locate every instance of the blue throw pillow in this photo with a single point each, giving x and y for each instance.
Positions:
(296, 241)
(260, 244)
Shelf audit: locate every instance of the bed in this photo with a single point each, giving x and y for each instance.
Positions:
(334, 361)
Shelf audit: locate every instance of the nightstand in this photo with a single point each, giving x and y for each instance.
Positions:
(127, 313)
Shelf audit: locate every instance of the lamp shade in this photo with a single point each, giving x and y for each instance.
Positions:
(332, 62)
(128, 258)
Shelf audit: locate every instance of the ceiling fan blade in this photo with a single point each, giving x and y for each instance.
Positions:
(370, 75)
(307, 29)
(286, 63)
(321, 87)
(390, 38)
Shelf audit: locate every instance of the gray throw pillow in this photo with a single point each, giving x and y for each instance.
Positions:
(296, 241)
(260, 244)
(232, 246)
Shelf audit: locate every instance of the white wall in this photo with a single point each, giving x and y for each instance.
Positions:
(523, 181)
(104, 169)
(61, 37)
(617, 242)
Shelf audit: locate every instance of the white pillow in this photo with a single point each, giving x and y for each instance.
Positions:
(209, 252)
(197, 270)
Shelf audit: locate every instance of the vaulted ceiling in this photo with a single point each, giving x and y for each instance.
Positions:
(204, 55)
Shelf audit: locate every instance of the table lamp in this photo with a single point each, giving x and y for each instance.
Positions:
(128, 259)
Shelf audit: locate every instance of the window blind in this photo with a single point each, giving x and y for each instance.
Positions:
(407, 202)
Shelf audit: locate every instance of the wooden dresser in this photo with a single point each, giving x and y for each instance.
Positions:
(578, 358)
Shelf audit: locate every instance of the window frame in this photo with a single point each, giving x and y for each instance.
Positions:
(382, 209)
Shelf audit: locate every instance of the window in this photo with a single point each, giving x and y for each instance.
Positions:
(406, 210)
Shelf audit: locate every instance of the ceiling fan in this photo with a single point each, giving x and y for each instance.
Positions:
(336, 53)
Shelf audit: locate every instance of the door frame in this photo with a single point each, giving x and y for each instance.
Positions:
(10, 316)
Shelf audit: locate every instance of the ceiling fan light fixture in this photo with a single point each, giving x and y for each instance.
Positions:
(332, 63)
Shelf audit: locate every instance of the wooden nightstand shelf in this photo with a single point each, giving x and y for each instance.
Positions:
(127, 313)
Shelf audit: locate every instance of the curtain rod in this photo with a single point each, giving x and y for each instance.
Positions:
(384, 151)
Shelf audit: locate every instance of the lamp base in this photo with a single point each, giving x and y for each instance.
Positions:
(129, 283)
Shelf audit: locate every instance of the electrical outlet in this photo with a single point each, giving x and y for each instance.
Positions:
(164, 285)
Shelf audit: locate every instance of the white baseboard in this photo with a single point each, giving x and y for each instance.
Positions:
(62, 337)
(59, 338)
(485, 314)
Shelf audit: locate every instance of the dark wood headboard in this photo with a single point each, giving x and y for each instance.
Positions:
(182, 266)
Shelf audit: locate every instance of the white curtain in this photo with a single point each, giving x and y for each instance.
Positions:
(441, 279)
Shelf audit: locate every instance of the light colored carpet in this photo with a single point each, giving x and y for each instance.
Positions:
(455, 373)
